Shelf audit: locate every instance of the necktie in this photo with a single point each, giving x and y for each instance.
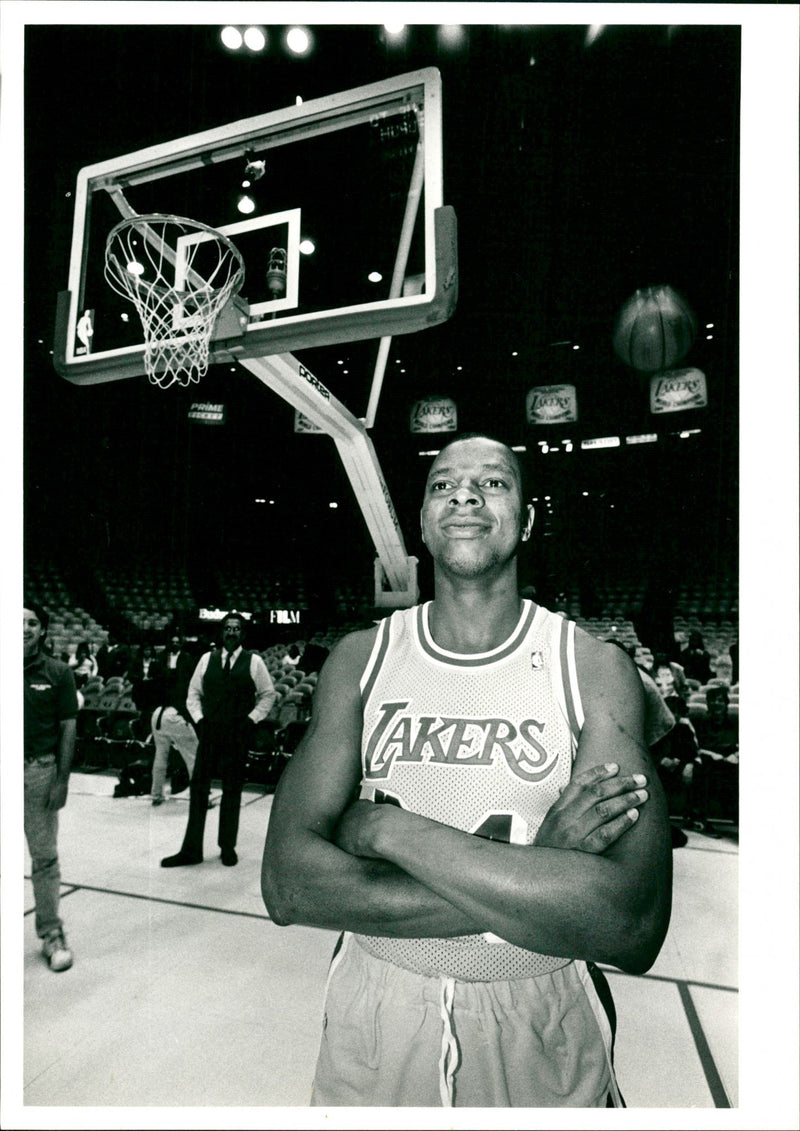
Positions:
(227, 668)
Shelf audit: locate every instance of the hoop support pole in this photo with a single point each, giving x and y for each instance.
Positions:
(284, 374)
(398, 275)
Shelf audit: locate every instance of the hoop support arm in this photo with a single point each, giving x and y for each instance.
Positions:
(284, 374)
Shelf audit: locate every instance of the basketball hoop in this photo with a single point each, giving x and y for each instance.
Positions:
(179, 274)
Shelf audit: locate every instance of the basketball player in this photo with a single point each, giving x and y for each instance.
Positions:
(468, 808)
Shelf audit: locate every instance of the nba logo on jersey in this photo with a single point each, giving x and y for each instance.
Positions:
(537, 660)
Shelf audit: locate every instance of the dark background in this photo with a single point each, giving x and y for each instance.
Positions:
(578, 173)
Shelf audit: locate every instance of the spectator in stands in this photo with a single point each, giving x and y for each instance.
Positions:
(292, 657)
(679, 768)
(733, 652)
(716, 777)
(659, 726)
(695, 660)
(314, 656)
(669, 677)
(112, 659)
(146, 674)
(178, 665)
(230, 692)
(83, 664)
(50, 724)
(717, 732)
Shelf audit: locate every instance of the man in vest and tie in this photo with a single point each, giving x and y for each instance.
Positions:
(229, 694)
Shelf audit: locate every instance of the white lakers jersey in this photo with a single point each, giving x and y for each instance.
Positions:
(483, 743)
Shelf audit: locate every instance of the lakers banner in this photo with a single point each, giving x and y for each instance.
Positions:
(551, 404)
(303, 424)
(678, 389)
(434, 414)
(207, 413)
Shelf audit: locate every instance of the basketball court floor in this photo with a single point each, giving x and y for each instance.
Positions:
(184, 994)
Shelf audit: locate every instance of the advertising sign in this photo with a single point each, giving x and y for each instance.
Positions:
(551, 404)
(678, 389)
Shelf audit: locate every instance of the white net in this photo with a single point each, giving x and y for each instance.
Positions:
(179, 274)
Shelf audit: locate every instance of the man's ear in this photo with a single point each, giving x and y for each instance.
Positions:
(528, 523)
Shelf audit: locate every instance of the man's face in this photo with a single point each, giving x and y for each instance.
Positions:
(717, 707)
(175, 644)
(665, 681)
(472, 513)
(32, 632)
(231, 635)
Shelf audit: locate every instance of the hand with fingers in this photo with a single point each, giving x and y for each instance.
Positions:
(597, 808)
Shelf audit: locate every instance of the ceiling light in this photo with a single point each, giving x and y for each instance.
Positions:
(298, 40)
(307, 246)
(134, 268)
(394, 29)
(452, 35)
(231, 38)
(375, 276)
(255, 39)
(246, 204)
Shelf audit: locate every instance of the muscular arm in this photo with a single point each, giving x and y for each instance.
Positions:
(611, 907)
(305, 877)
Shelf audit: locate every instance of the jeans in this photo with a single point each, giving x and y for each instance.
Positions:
(173, 731)
(41, 833)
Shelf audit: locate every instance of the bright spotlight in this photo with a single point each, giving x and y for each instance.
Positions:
(452, 35)
(255, 39)
(298, 40)
(231, 38)
(375, 276)
(246, 204)
(307, 247)
(394, 29)
(134, 268)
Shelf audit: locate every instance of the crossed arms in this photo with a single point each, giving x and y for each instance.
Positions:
(596, 884)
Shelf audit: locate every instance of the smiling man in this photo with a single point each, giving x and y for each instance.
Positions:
(468, 808)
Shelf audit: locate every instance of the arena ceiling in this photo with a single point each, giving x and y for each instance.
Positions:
(581, 164)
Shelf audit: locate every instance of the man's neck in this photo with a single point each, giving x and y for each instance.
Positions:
(474, 616)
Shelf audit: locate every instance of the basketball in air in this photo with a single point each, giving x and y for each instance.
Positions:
(655, 328)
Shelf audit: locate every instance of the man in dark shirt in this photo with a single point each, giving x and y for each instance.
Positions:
(50, 721)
